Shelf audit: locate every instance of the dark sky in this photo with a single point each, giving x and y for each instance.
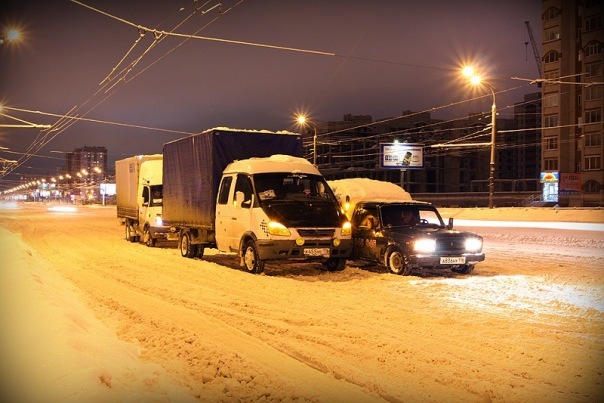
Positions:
(382, 57)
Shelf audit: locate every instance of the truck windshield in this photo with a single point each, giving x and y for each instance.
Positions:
(156, 195)
(272, 187)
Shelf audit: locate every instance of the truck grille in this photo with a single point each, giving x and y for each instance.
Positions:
(316, 232)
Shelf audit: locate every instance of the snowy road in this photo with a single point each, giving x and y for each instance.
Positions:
(526, 325)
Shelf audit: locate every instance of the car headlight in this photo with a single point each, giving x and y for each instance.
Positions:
(158, 221)
(276, 228)
(424, 246)
(346, 229)
(473, 244)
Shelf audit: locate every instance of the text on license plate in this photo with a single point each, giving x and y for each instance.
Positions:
(453, 260)
(323, 252)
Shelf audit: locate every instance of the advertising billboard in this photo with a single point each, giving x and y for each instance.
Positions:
(401, 155)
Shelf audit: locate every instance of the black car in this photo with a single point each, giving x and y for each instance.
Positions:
(407, 235)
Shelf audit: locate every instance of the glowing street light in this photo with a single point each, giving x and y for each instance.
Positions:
(11, 35)
(476, 79)
(303, 120)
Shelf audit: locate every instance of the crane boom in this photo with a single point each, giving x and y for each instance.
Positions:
(535, 50)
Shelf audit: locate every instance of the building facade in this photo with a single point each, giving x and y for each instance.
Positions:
(573, 59)
(87, 167)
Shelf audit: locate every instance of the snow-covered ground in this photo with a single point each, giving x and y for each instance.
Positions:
(87, 316)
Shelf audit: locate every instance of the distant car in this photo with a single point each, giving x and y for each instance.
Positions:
(411, 235)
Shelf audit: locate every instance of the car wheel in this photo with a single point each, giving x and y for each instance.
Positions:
(251, 261)
(186, 248)
(465, 269)
(147, 238)
(335, 264)
(397, 262)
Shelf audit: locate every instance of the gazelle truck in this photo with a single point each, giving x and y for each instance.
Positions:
(250, 193)
(139, 198)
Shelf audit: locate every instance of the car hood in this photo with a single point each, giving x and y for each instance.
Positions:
(408, 233)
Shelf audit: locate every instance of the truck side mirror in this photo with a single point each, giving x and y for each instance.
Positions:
(450, 224)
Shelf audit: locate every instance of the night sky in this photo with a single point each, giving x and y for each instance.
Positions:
(377, 57)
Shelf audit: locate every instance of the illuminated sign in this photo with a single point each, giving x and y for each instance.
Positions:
(108, 189)
(570, 183)
(401, 155)
(549, 177)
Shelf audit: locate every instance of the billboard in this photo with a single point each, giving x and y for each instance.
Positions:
(401, 155)
(570, 184)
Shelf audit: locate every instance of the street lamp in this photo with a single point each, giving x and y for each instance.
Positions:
(303, 120)
(475, 79)
(11, 35)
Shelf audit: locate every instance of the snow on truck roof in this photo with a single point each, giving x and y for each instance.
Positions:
(230, 129)
(274, 163)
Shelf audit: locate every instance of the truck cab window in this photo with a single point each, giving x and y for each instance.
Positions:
(156, 195)
(225, 187)
(146, 196)
(244, 185)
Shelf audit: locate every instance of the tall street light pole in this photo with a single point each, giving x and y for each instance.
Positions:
(303, 120)
(477, 80)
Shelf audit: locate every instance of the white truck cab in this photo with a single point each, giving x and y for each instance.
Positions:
(280, 208)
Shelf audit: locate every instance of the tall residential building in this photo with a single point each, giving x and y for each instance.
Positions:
(91, 159)
(573, 59)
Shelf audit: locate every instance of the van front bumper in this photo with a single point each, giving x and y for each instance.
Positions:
(311, 250)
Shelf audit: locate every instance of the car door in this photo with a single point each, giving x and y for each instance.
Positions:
(364, 231)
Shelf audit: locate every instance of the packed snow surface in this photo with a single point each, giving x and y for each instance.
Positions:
(89, 317)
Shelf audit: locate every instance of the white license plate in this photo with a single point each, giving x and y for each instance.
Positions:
(453, 260)
(322, 252)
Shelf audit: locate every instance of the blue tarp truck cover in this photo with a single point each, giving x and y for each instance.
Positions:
(193, 167)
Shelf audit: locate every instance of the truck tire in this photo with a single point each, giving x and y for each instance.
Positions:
(186, 248)
(251, 262)
(465, 269)
(396, 262)
(129, 236)
(335, 264)
(147, 238)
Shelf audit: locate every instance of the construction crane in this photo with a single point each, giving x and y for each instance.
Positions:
(535, 50)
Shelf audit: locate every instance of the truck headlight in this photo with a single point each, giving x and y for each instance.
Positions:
(424, 246)
(346, 229)
(473, 244)
(158, 221)
(278, 229)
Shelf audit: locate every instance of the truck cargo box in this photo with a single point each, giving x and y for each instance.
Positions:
(193, 167)
(127, 173)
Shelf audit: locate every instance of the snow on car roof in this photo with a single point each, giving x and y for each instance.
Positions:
(364, 189)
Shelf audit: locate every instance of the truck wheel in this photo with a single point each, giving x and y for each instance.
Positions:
(199, 251)
(129, 236)
(186, 248)
(465, 269)
(147, 238)
(397, 262)
(335, 264)
(250, 258)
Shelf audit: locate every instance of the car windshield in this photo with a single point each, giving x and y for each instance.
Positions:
(397, 215)
(291, 187)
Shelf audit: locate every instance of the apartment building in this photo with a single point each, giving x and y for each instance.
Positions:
(573, 59)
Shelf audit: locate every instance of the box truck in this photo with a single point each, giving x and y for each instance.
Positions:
(139, 198)
(251, 193)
